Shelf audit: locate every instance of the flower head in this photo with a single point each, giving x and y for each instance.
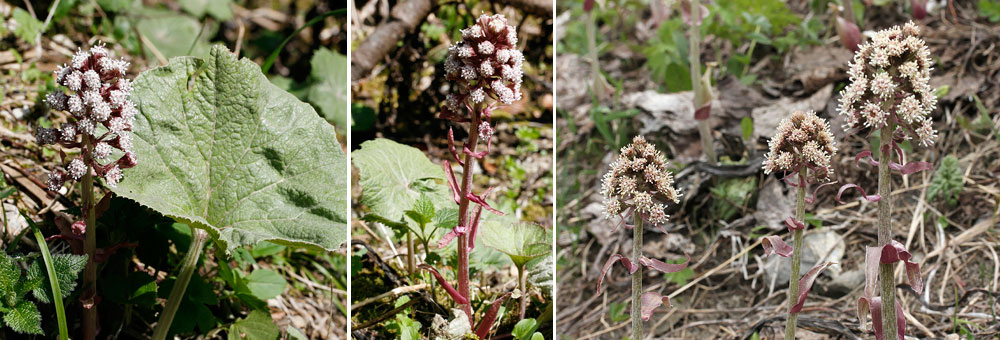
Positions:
(638, 181)
(485, 64)
(802, 140)
(889, 84)
(100, 112)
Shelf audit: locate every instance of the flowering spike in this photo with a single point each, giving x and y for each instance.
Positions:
(639, 181)
(803, 140)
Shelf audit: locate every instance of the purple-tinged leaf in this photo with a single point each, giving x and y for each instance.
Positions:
(812, 199)
(869, 198)
(452, 182)
(775, 245)
(664, 267)
(482, 202)
(611, 262)
(805, 284)
(650, 301)
(459, 299)
(788, 180)
(491, 315)
(703, 112)
(686, 13)
(451, 235)
(914, 167)
(475, 228)
(850, 35)
(476, 155)
(794, 224)
(452, 116)
(451, 147)
(863, 154)
(919, 8)
(872, 255)
(873, 306)
(895, 252)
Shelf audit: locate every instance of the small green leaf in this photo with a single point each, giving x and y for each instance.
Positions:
(10, 274)
(24, 318)
(223, 149)
(524, 328)
(746, 126)
(295, 334)
(256, 326)
(266, 284)
(28, 26)
(537, 336)
(67, 269)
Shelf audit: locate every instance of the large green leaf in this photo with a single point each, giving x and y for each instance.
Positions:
(393, 175)
(223, 149)
(266, 284)
(329, 90)
(521, 241)
(24, 318)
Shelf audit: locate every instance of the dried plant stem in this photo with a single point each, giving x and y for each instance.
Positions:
(694, 56)
(89, 248)
(793, 276)
(188, 266)
(637, 278)
(887, 280)
(463, 212)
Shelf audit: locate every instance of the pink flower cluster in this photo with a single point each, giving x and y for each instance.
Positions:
(100, 112)
(803, 140)
(484, 66)
(639, 182)
(889, 84)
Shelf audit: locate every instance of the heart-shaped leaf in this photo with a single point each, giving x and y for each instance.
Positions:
(223, 149)
(329, 92)
(522, 242)
(393, 175)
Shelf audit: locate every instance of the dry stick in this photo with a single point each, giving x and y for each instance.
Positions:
(886, 278)
(394, 292)
(793, 277)
(637, 277)
(89, 248)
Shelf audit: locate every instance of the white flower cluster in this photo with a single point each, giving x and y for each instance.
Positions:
(101, 113)
(638, 181)
(485, 64)
(802, 140)
(889, 84)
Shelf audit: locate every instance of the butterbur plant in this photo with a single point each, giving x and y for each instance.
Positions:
(889, 92)
(101, 117)
(639, 184)
(802, 147)
(484, 69)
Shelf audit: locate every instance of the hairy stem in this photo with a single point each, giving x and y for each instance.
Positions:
(793, 277)
(57, 299)
(89, 248)
(886, 275)
(637, 278)
(463, 213)
(522, 285)
(188, 264)
(694, 58)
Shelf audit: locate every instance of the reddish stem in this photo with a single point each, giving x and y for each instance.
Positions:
(463, 212)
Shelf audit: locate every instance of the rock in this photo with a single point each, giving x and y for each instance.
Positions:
(773, 205)
(827, 246)
(455, 329)
(843, 284)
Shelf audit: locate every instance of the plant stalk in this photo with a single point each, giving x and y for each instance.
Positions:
(522, 285)
(57, 299)
(463, 212)
(188, 266)
(694, 61)
(411, 256)
(887, 279)
(89, 247)
(637, 278)
(793, 277)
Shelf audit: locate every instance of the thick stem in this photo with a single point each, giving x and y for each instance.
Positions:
(694, 59)
(887, 279)
(463, 213)
(637, 278)
(57, 299)
(188, 265)
(793, 277)
(89, 248)
(522, 285)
